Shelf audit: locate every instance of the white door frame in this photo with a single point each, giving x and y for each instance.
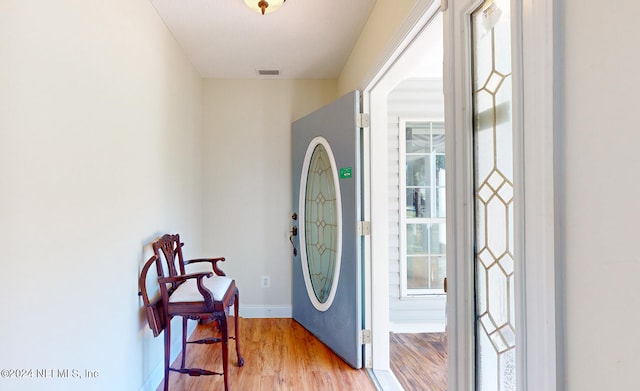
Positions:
(375, 103)
(537, 39)
(542, 110)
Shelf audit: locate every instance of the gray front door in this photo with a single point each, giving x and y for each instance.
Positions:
(326, 206)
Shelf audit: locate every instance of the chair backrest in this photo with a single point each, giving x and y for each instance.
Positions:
(154, 308)
(168, 250)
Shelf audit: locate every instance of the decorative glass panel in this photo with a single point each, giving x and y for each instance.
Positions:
(494, 187)
(321, 228)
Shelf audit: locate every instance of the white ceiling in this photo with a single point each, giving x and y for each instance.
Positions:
(305, 39)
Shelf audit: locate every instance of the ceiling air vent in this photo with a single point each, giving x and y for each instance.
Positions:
(269, 72)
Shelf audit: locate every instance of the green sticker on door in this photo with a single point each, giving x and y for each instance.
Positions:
(346, 172)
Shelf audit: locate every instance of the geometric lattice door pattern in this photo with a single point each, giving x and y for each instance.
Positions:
(494, 189)
(320, 239)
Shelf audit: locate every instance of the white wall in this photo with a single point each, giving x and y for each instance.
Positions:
(100, 127)
(247, 168)
(374, 43)
(601, 181)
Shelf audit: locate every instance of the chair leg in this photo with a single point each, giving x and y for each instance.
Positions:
(236, 310)
(225, 349)
(184, 341)
(167, 353)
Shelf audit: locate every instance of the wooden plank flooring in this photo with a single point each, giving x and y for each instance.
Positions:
(419, 361)
(279, 354)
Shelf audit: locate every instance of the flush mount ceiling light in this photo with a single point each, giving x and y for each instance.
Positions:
(264, 6)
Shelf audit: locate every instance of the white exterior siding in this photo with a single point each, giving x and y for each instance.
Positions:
(411, 99)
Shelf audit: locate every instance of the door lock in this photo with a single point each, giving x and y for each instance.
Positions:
(292, 233)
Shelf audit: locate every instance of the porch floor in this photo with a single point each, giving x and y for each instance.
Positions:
(419, 361)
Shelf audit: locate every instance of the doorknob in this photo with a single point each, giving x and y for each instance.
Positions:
(292, 233)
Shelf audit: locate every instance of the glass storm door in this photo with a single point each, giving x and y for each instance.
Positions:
(494, 193)
(484, 118)
(326, 204)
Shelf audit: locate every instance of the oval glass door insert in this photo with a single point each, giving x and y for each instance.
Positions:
(321, 222)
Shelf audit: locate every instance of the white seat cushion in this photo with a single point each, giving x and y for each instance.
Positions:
(188, 290)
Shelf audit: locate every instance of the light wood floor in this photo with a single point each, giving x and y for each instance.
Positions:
(279, 354)
(419, 361)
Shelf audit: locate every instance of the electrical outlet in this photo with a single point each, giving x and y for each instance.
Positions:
(266, 282)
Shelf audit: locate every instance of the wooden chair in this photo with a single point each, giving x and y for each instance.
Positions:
(204, 296)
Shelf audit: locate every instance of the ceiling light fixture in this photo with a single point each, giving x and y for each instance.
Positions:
(264, 6)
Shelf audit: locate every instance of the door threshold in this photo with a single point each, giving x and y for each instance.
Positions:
(384, 380)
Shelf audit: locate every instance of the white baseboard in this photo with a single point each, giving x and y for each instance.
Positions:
(246, 311)
(417, 327)
(384, 380)
(157, 375)
(265, 311)
(155, 378)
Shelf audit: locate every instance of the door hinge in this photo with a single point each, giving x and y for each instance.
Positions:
(364, 228)
(365, 337)
(362, 120)
(444, 4)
